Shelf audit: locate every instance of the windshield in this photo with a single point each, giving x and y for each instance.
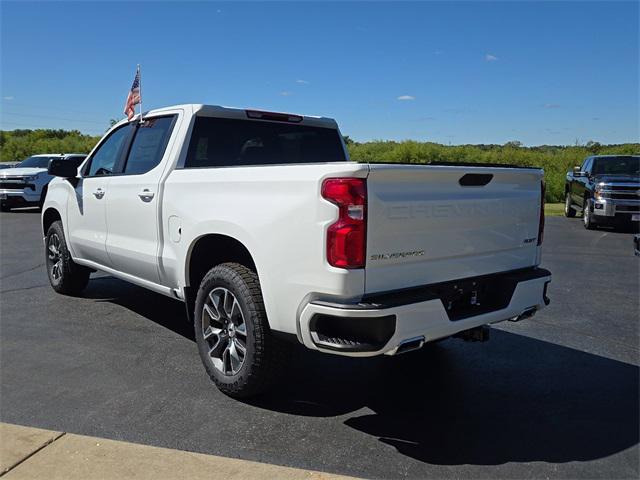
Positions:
(36, 162)
(616, 166)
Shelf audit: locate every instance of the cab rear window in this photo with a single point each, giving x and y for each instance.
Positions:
(223, 142)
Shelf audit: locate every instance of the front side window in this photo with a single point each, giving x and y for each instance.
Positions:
(148, 145)
(221, 142)
(104, 159)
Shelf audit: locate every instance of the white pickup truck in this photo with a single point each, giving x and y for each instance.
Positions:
(263, 227)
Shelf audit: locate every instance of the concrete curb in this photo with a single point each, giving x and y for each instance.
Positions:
(27, 453)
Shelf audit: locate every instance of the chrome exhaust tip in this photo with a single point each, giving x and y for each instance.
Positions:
(409, 345)
(526, 313)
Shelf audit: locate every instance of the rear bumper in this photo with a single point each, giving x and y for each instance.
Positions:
(409, 316)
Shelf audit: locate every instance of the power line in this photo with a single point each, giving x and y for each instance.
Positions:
(8, 103)
(29, 126)
(54, 117)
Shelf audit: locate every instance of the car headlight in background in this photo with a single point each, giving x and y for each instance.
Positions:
(598, 192)
(31, 178)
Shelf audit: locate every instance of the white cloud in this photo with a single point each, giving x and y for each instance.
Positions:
(551, 105)
(7, 98)
(490, 58)
(285, 94)
(406, 97)
(302, 82)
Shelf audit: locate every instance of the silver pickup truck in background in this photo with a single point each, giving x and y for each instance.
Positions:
(606, 190)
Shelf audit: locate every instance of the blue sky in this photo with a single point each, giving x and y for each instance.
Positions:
(454, 72)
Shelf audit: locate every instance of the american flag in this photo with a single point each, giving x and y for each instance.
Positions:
(133, 98)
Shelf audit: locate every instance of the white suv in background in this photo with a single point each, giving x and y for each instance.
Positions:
(25, 185)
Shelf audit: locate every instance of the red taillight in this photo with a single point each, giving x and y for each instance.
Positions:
(347, 237)
(541, 222)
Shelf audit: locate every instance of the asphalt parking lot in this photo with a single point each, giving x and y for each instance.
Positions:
(555, 396)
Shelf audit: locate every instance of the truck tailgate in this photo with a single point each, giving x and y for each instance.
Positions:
(429, 224)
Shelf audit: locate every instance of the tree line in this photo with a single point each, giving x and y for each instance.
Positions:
(556, 160)
(19, 144)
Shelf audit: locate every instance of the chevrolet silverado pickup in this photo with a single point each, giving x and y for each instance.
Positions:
(606, 189)
(261, 225)
(25, 184)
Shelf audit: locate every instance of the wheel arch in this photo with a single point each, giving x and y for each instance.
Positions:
(210, 250)
(204, 253)
(49, 216)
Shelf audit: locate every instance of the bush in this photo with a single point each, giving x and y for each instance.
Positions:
(19, 144)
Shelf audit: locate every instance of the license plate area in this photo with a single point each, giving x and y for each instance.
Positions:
(467, 298)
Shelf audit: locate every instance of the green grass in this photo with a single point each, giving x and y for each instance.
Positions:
(554, 209)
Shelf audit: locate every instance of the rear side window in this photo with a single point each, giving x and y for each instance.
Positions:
(222, 142)
(148, 145)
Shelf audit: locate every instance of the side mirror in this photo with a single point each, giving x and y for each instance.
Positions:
(62, 168)
(578, 173)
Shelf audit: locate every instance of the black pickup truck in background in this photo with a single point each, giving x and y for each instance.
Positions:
(606, 189)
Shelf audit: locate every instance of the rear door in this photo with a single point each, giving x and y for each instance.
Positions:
(132, 210)
(430, 224)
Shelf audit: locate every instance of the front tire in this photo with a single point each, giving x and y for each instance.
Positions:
(66, 276)
(587, 216)
(568, 210)
(237, 348)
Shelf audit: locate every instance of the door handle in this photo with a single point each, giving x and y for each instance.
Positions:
(99, 193)
(146, 195)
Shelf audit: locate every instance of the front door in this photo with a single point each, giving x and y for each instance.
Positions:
(580, 183)
(133, 207)
(86, 213)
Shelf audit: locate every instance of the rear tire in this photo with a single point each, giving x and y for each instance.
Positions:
(66, 276)
(587, 216)
(236, 346)
(4, 207)
(568, 209)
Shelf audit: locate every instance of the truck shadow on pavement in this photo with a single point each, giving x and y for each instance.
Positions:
(514, 399)
(162, 310)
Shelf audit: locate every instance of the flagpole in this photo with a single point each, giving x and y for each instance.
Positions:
(140, 89)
